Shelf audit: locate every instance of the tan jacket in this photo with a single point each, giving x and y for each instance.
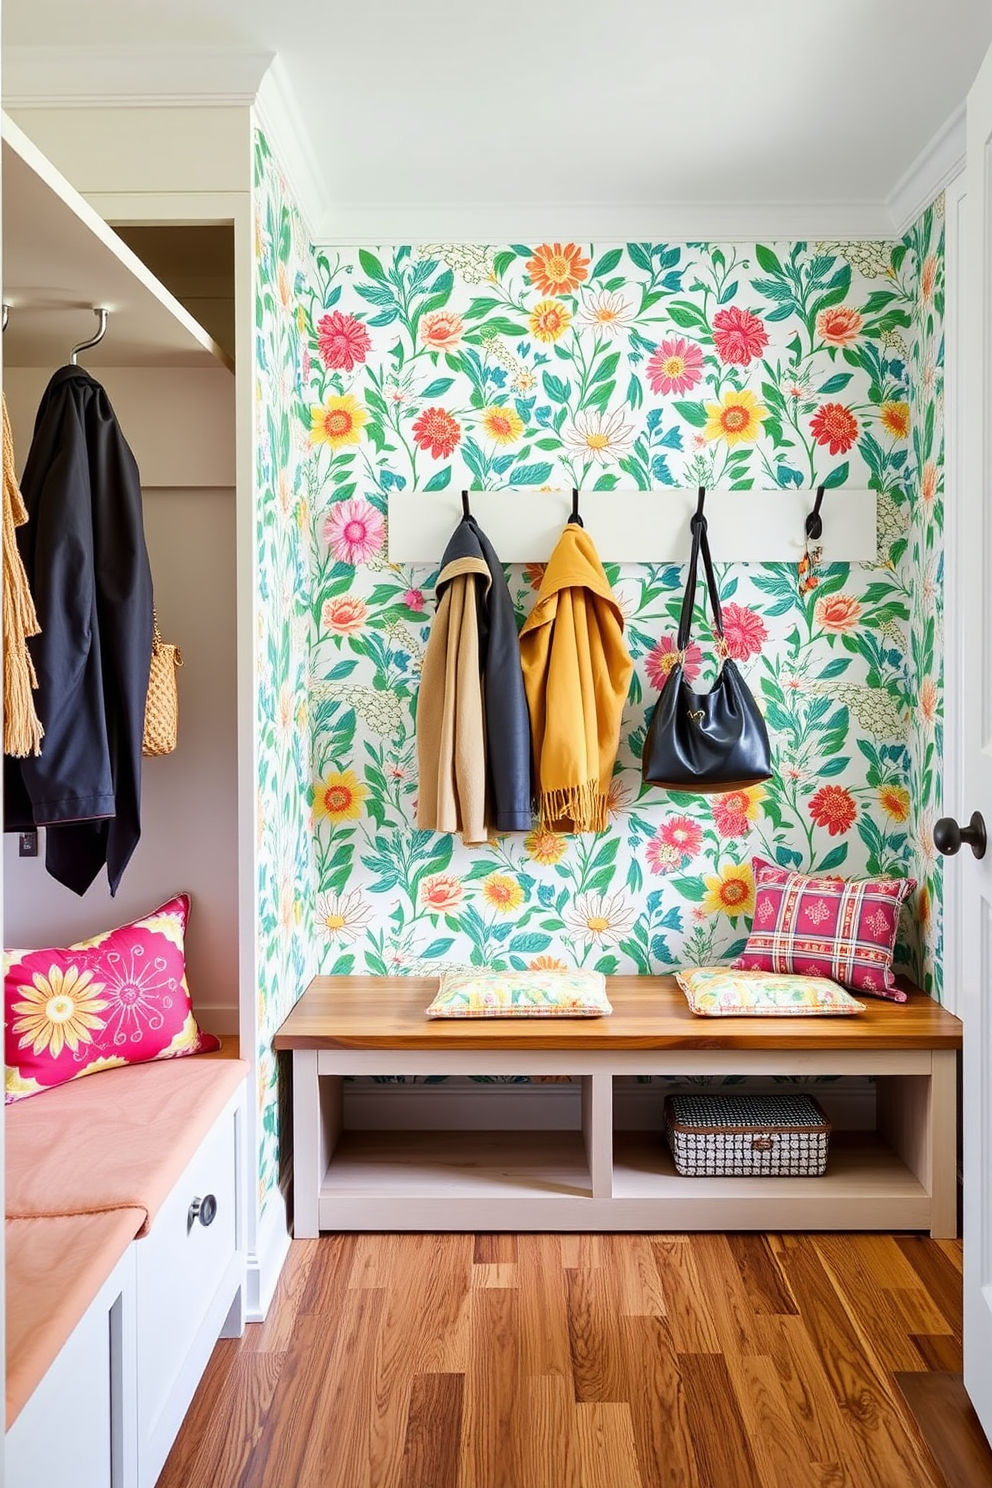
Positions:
(451, 749)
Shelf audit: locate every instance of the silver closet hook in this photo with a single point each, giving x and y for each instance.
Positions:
(94, 340)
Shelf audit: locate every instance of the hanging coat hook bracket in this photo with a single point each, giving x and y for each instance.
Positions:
(574, 514)
(95, 340)
(466, 509)
(698, 516)
(6, 316)
(814, 522)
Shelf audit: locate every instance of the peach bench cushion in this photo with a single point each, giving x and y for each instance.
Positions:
(89, 1165)
(116, 1140)
(54, 1269)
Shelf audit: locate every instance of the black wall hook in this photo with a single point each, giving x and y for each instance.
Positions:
(698, 516)
(574, 515)
(466, 510)
(814, 522)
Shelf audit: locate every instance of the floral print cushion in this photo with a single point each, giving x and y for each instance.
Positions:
(723, 992)
(521, 994)
(834, 927)
(120, 998)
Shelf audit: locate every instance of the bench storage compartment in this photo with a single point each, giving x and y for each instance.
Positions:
(747, 1136)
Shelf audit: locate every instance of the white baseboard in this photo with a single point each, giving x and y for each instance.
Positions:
(265, 1263)
(849, 1102)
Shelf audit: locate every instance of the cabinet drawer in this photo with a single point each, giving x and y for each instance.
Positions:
(180, 1264)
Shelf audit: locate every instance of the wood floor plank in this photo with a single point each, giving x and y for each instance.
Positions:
(433, 1432)
(501, 1274)
(225, 1440)
(780, 1449)
(339, 1451)
(606, 1445)
(494, 1250)
(873, 1305)
(207, 1406)
(658, 1405)
(598, 1363)
(490, 1448)
(686, 1304)
(762, 1277)
(550, 1453)
(328, 1276)
(729, 1302)
(950, 1427)
(940, 1352)
(632, 1260)
(545, 1345)
(940, 1277)
(859, 1384)
(275, 1334)
(580, 1252)
(917, 1312)
(719, 1438)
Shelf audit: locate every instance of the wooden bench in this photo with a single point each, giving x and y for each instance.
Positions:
(899, 1176)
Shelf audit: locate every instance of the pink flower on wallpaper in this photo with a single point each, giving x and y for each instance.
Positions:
(675, 366)
(738, 336)
(354, 531)
(343, 342)
(662, 657)
(414, 599)
(744, 631)
(676, 842)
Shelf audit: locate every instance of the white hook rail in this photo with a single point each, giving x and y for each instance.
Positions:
(630, 526)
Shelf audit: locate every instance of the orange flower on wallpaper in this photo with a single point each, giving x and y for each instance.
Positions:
(504, 425)
(338, 797)
(344, 615)
(441, 330)
(835, 808)
(840, 325)
(837, 612)
(895, 417)
(441, 893)
(557, 268)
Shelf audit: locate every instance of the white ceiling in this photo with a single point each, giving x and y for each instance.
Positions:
(448, 112)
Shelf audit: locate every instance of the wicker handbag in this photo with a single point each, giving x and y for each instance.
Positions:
(162, 703)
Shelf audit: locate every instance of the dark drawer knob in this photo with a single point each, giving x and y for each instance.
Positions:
(204, 1210)
(948, 836)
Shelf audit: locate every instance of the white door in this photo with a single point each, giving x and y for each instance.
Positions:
(973, 878)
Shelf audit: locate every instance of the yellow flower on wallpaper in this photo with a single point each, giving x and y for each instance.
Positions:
(549, 320)
(895, 417)
(737, 417)
(545, 846)
(59, 1011)
(731, 892)
(338, 797)
(504, 425)
(502, 892)
(337, 421)
(894, 801)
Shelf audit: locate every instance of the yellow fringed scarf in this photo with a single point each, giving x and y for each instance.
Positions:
(576, 674)
(22, 730)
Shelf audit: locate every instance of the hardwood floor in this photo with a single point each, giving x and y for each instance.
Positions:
(595, 1361)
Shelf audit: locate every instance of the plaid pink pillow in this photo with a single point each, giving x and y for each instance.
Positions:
(834, 927)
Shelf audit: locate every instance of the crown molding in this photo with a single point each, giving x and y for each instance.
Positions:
(933, 169)
(127, 77)
(359, 223)
(278, 116)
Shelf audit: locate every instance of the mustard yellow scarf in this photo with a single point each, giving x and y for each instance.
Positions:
(576, 674)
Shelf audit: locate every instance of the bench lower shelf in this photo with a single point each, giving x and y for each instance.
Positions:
(430, 1180)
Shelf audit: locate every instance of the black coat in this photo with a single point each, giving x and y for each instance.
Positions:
(507, 717)
(84, 553)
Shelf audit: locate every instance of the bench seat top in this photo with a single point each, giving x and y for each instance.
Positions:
(649, 1012)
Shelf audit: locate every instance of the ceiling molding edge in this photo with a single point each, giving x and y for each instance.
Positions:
(278, 116)
(933, 169)
(130, 77)
(362, 224)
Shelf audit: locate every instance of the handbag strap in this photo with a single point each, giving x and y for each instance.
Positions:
(700, 545)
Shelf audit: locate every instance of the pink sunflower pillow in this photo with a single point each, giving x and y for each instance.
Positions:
(833, 927)
(120, 998)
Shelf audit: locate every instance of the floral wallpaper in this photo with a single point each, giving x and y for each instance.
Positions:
(284, 858)
(607, 365)
(441, 366)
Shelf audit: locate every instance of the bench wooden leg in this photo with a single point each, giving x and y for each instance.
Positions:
(309, 1158)
(943, 1150)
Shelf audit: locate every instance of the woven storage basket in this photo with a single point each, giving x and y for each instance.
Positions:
(161, 732)
(747, 1136)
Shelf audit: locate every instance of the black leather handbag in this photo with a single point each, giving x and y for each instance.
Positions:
(712, 741)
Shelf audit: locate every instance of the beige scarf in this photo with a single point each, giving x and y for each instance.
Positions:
(22, 730)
